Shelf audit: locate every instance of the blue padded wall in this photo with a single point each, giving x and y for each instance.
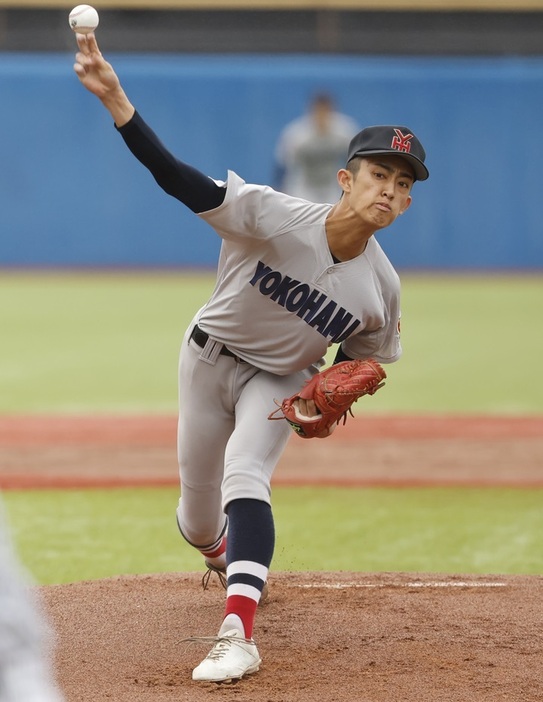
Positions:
(72, 194)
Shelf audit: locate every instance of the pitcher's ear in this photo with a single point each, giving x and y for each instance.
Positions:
(407, 204)
(345, 179)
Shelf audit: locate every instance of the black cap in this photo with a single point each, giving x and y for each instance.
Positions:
(390, 140)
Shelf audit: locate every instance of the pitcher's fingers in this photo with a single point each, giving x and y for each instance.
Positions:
(83, 60)
(79, 70)
(92, 43)
(307, 407)
(311, 408)
(82, 43)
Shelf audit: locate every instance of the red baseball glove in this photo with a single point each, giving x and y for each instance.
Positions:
(333, 390)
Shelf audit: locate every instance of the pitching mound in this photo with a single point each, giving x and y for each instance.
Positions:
(334, 637)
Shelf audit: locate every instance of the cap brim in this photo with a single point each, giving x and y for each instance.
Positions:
(421, 172)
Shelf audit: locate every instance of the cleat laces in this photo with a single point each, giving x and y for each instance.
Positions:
(207, 576)
(221, 646)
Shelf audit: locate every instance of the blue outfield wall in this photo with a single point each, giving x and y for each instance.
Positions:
(72, 194)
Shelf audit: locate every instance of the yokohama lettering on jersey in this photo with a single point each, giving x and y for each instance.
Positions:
(280, 300)
(311, 305)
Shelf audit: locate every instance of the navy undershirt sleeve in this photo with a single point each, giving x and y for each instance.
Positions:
(187, 184)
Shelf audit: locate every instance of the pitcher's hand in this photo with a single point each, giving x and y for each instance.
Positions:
(94, 72)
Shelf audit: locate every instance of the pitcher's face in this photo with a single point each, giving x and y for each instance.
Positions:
(380, 190)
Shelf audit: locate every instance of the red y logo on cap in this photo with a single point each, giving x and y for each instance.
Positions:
(401, 142)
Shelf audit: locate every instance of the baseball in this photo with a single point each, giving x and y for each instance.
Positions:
(83, 19)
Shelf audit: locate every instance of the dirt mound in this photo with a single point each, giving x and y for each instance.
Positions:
(339, 637)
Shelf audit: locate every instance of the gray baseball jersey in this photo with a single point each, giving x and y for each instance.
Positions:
(280, 300)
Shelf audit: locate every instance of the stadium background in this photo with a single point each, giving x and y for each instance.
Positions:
(219, 82)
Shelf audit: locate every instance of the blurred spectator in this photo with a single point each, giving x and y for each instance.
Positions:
(26, 673)
(311, 149)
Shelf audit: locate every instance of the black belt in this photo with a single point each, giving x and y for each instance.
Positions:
(200, 337)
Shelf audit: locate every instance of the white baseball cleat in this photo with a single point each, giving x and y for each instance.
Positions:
(231, 658)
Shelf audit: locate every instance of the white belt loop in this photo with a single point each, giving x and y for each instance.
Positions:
(211, 351)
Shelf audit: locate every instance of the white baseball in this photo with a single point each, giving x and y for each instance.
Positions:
(83, 19)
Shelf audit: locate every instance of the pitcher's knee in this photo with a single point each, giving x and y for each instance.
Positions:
(252, 487)
(203, 533)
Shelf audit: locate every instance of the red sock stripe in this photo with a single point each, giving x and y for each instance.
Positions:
(221, 548)
(245, 608)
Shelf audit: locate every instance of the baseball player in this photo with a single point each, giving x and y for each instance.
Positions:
(311, 149)
(293, 277)
(25, 668)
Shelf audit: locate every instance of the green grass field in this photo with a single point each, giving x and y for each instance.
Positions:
(108, 343)
(71, 535)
